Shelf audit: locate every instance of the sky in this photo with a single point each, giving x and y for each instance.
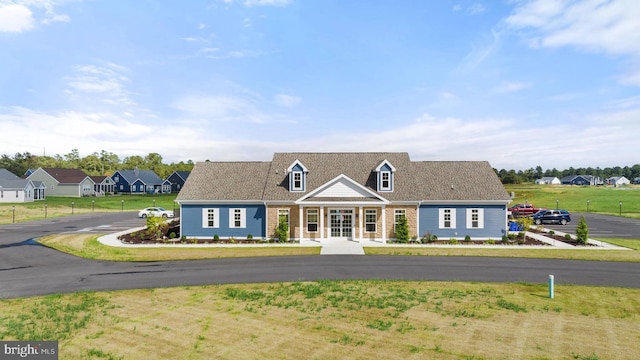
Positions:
(518, 83)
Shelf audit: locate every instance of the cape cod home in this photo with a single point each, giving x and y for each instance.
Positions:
(177, 180)
(139, 182)
(352, 196)
(617, 181)
(14, 189)
(63, 182)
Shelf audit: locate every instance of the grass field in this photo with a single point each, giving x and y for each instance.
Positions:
(604, 200)
(62, 206)
(335, 320)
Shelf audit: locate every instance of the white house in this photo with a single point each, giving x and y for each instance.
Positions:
(549, 180)
(618, 181)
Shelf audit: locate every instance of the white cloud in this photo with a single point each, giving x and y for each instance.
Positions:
(19, 16)
(509, 87)
(285, 100)
(480, 52)
(106, 80)
(15, 18)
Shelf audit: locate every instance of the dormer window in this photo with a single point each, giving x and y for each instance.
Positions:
(386, 173)
(385, 178)
(297, 176)
(297, 181)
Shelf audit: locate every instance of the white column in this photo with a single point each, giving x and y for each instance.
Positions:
(418, 221)
(301, 222)
(321, 223)
(384, 225)
(360, 221)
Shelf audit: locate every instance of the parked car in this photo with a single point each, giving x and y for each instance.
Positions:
(551, 217)
(155, 211)
(519, 210)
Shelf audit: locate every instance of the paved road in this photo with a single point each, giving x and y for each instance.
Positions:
(28, 269)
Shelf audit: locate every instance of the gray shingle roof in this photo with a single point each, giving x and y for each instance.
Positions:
(8, 175)
(149, 177)
(413, 180)
(210, 181)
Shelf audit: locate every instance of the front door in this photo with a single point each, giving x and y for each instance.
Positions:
(341, 222)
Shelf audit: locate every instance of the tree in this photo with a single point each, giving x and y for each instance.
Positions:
(582, 231)
(282, 230)
(402, 230)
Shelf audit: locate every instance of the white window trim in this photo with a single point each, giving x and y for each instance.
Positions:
(441, 213)
(390, 185)
(293, 181)
(232, 218)
(205, 218)
(375, 221)
(288, 217)
(317, 222)
(480, 218)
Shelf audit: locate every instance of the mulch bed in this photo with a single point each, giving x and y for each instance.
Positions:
(556, 237)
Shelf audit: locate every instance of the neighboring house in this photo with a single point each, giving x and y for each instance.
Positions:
(177, 180)
(63, 182)
(636, 180)
(549, 180)
(139, 182)
(618, 180)
(14, 189)
(579, 180)
(353, 196)
(103, 185)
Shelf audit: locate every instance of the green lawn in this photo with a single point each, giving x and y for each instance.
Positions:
(55, 206)
(604, 200)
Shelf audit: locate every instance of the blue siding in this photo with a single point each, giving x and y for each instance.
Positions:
(191, 221)
(495, 225)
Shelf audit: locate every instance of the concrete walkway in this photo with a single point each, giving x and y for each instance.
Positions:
(345, 247)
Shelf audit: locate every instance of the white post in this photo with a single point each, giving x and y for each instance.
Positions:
(551, 290)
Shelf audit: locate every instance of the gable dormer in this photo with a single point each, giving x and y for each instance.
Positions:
(385, 176)
(297, 176)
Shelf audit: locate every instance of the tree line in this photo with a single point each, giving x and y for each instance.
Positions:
(106, 163)
(530, 175)
(98, 163)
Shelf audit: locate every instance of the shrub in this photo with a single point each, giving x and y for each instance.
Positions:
(428, 238)
(282, 230)
(521, 234)
(216, 237)
(551, 232)
(524, 223)
(505, 239)
(467, 238)
(402, 230)
(582, 231)
(172, 235)
(567, 237)
(491, 242)
(249, 237)
(453, 241)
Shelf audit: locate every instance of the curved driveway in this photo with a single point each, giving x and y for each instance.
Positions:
(27, 268)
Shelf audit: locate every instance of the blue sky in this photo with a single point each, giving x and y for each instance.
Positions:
(518, 83)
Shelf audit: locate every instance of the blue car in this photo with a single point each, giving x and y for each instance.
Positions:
(551, 217)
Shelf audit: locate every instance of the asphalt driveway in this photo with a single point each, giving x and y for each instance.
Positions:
(602, 226)
(28, 269)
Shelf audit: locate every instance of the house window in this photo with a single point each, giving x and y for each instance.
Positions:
(475, 218)
(385, 180)
(447, 218)
(237, 218)
(297, 180)
(370, 220)
(16, 193)
(1, 194)
(121, 187)
(86, 188)
(210, 218)
(117, 178)
(398, 214)
(312, 220)
(283, 214)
